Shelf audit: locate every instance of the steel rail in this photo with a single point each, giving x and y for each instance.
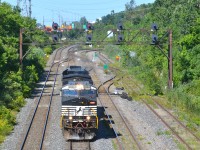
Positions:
(132, 134)
(32, 118)
(122, 117)
(51, 98)
(183, 141)
(25, 138)
(174, 132)
(110, 120)
(177, 120)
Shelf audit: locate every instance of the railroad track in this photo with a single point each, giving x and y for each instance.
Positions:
(183, 134)
(177, 128)
(35, 134)
(126, 139)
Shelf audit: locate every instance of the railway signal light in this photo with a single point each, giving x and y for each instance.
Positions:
(55, 26)
(89, 37)
(73, 25)
(120, 26)
(154, 27)
(89, 26)
(55, 38)
(154, 40)
(120, 38)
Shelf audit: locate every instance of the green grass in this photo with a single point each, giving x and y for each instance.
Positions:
(180, 145)
(166, 132)
(114, 145)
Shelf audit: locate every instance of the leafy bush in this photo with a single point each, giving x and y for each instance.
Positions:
(17, 103)
(7, 120)
(48, 50)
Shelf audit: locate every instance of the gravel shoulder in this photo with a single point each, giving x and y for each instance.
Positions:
(150, 130)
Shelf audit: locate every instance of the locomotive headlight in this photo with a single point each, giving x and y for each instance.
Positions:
(79, 87)
(70, 117)
(88, 117)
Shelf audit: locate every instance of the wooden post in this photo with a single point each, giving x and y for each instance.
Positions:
(170, 62)
(20, 46)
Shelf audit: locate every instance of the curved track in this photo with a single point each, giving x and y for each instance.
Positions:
(181, 132)
(125, 138)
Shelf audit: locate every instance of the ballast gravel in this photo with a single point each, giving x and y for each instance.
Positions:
(150, 131)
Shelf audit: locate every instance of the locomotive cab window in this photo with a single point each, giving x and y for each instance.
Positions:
(70, 92)
(87, 92)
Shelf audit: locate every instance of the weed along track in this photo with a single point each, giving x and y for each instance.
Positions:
(181, 132)
(177, 128)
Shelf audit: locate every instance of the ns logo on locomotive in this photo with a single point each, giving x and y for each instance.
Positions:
(79, 104)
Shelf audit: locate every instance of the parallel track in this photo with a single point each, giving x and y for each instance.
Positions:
(125, 138)
(183, 134)
(35, 134)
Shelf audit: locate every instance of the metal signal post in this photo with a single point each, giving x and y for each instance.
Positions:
(156, 42)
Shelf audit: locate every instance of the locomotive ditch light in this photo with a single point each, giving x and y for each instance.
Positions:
(79, 87)
(88, 117)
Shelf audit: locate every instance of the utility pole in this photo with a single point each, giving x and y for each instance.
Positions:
(169, 57)
(20, 46)
(43, 21)
(30, 12)
(170, 61)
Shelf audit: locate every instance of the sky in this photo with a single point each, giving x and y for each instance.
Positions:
(68, 11)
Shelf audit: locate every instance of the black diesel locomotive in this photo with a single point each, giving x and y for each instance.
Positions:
(79, 104)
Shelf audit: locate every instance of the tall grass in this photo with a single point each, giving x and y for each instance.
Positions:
(187, 97)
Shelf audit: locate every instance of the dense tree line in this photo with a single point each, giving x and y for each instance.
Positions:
(150, 65)
(17, 82)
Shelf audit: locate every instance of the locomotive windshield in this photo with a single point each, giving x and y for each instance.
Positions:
(70, 92)
(87, 92)
(78, 92)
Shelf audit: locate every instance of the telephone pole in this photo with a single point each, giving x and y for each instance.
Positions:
(30, 12)
(170, 61)
(20, 46)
